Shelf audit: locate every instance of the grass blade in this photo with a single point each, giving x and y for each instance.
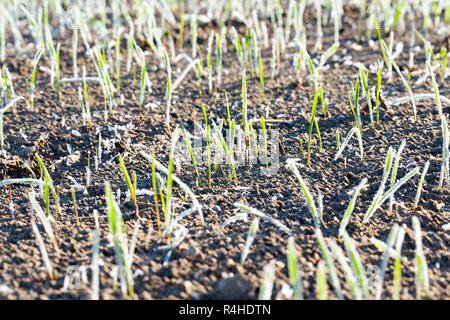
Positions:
(421, 268)
(354, 130)
(351, 206)
(421, 182)
(294, 272)
(191, 152)
(265, 291)
(330, 264)
(387, 253)
(129, 183)
(250, 237)
(356, 264)
(305, 190)
(405, 83)
(43, 250)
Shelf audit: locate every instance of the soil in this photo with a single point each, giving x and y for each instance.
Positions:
(206, 264)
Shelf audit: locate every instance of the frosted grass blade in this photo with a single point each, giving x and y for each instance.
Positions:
(293, 268)
(351, 206)
(305, 190)
(265, 291)
(330, 264)
(250, 237)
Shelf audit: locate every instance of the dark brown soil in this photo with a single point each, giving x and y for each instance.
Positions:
(206, 264)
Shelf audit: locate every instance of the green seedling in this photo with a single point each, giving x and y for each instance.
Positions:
(357, 132)
(323, 102)
(362, 18)
(75, 208)
(231, 146)
(95, 266)
(421, 182)
(445, 153)
(329, 263)
(42, 249)
(86, 98)
(250, 237)
(169, 84)
(43, 218)
(181, 34)
(363, 77)
(244, 107)
(75, 52)
(263, 126)
(208, 146)
(108, 89)
(194, 36)
(255, 47)
(349, 274)
(351, 206)
(117, 230)
(377, 95)
(254, 139)
(238, 48)
(309, 199)
(131, 188)
(218, 60)
(387, 169)
(350, 99)
(37, 30)
(56, 66)
(57, 69)
(444, 63)
(268, 277)
(313, 71)
(273, 61)
(357, 111)
(388, 194)
(435, 86)
(385, 260)
(398, 262)
(37, 57)
(421, 268)
(227, 152)
(394, 172)
(191, 152)
(321, 281)
(293, 268)
(261, 75)
(143, 76)
(248, 51)
(155, 194)
(313, 121)
(358, 267)
(204, 115)
(9, 85)
(168, 211)
(377, 28)
(405, 83)
(117, 54)
(209, 61)
(48, 185)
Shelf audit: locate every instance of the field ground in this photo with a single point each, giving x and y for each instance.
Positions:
(206, 264)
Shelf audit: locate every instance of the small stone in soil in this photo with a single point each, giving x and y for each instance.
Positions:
(237, 287)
